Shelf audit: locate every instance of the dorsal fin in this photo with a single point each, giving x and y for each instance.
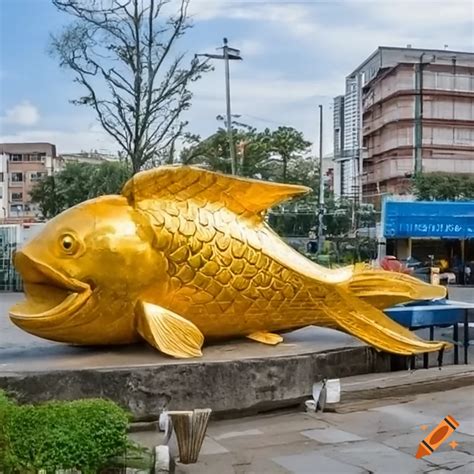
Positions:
(186, 182)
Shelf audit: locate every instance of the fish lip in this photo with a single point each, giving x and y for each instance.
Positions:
(63, 281)
(56, 314)
(80, 293)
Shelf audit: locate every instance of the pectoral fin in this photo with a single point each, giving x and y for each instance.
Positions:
(266, 338)
(372, 326)
(169, 332)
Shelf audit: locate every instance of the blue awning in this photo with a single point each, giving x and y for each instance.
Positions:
(453, 220)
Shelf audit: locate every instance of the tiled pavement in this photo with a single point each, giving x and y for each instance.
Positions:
(382, 439)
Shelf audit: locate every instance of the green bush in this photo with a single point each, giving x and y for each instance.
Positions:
(83, 435)
(5, 407)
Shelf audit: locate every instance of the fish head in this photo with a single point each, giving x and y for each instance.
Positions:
(84, 261)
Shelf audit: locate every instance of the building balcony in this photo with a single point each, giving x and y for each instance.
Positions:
(369, 104)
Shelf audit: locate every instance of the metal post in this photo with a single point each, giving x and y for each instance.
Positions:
(228, 54)
(361, 142)
(228, 111)
(419, 116)
(321, 184)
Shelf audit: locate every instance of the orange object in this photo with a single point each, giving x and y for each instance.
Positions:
(392, 264)
(437, 437)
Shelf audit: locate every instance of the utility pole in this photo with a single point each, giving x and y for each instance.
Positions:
(228, 111)
(419, 116)
(228, 54)
(361, 140)
(321, 184)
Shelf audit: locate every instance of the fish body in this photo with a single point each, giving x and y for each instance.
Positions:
(185, 255)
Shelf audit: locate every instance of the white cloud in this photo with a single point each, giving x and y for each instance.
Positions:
(203, 10)
(23, 113)
(265, 88)
(265, 100)
(333, 38)
(429, 13)
(432, 23)
(249, 47)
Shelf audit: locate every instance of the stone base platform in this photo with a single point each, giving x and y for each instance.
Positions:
(231, 377)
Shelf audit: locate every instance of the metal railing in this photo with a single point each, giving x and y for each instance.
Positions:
(9, 279)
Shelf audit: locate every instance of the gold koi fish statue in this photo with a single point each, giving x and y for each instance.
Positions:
(184, 255)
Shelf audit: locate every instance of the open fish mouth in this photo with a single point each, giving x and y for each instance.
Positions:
(50, 295)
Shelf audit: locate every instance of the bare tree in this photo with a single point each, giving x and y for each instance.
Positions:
(121, 53)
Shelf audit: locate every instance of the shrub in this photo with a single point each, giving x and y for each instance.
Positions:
(81, 435)
(5, 406)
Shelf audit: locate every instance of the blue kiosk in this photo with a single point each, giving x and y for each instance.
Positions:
(444, 230)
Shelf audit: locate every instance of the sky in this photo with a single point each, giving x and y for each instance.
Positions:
(296, 55)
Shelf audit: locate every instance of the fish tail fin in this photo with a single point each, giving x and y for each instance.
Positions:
(383, 289)
(371, 325)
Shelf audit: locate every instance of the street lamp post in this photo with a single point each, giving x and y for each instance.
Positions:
(321, 184)
(228, 54)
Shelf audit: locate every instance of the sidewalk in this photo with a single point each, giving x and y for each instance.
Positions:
(382, 438)
(461, 293)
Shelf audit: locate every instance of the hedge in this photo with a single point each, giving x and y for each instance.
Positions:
(82, 435)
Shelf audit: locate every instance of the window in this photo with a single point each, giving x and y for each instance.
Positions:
(18, 208)
(1, 177)
(36, 176)
(17, 197)
(34, 157)
(16, 177)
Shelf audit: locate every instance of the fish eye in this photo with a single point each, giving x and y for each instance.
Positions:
(68, 243)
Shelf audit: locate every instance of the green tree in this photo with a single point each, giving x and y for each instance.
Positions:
(252, 152)
(337, 218)
(287, 145)
(278, 155)
(443, 187)
(122, 54)
(108, 178)
(44, 194)
(212, 152)
(76, 183)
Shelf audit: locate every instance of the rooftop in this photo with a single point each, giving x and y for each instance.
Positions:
(440, 52)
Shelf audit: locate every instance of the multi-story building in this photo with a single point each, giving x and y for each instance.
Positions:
(22, 165)
(3, 186)
(92, 157)
(338, 110)
(416, 114)
(347, 120)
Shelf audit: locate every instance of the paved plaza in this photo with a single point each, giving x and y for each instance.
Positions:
(382, 439)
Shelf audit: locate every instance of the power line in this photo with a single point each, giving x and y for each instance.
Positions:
(261, 119)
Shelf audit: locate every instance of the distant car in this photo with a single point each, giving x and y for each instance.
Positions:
(415, 268)
(392, 264)
(410, 266)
